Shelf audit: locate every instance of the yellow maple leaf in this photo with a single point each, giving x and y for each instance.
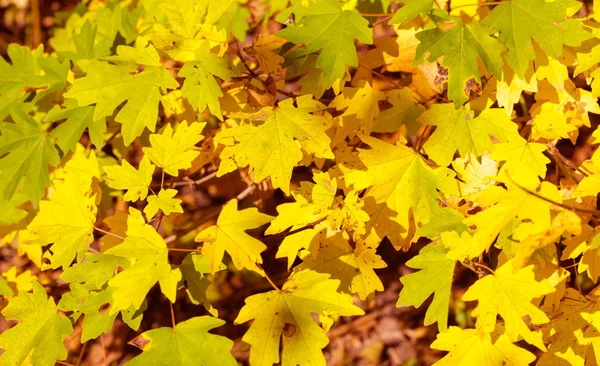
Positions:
(574, 333)
(229, 235)
(173, 151)
(163, 201)
(67, 218)
(285, 316)
(135, 181)
(470, 347)
(509, 295)
(273, 148)
(262, 50)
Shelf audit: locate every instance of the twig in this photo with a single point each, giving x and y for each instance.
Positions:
(483, 266)
(183, 250)
(246, 192)
(566, 207)
(80, 358)
(554, 151)
(385, 78)
(305, 227)
(103, 349)
(196, 182)
(478, 4)
(64, 363)
(37, 26)
(109, 233)
(420, 140)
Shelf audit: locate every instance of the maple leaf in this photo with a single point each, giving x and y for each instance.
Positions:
(410, 10)
(509, 295)
(361, 106)
(77, 119)
(40, 333)
(188, 343)
(148, 256)
(163, 201)
(461, 46)
(262, 50)
(519, 152)
(470, 347)
(574, 332)
(405, 109)
(200, 86)
(13, 80)
(286, 314)
(435, 277)
(109, 85)
(460, 130)
(67, 219)
(550, 124)
(391, 172)
(326, 27)
(271, 149)
(229, 235)
(26, 151)
(135, 181)
(514, 20)
(354, 268)
(173, 151)
(194, 269)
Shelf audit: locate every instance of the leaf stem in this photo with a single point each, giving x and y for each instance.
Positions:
(81, 353)
(305, 227)
(172, 314)
(183, 250)
(267, 277)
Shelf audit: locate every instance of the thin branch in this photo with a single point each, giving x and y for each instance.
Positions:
(37, 25)
(183, 250)
(288, 233)
(554, 151)
(81, 353)
(246, 192)
(484, 266)
(375, 15)
(103, 349)
(385, 78)
(566, 207)
(478, 4)
(189, 182)
(420, 140)
(64, 363)
(108, 233)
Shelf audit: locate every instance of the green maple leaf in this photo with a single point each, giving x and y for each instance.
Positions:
(324, 26)
(189, 343)
(410, 10)
(173, 151)
(461, 47)
(77, 119)
(434, 277)
(520, 21)
(271, 149)
(165, 202)
(459, 129)
(13, 78)
(200, 86)
(40, 333)
(135, 181)
(287, 314)
(148, 256)
(89, 294)
(108, 85)
(27, 152)
(229, 235)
